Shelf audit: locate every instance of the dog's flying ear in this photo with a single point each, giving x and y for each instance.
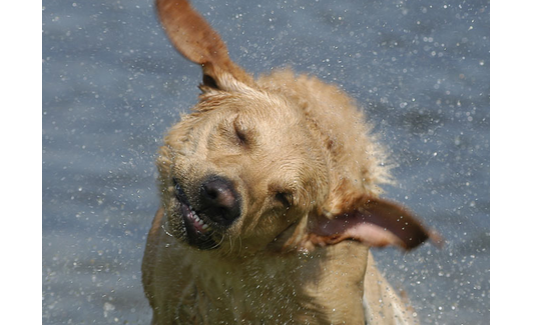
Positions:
(193, 37)
(372, 221)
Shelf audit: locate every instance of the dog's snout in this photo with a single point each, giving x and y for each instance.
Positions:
(220, 201)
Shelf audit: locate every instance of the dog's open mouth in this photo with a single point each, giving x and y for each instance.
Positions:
(198, 231)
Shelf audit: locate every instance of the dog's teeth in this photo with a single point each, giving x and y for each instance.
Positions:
(198, 220)
(204, 227)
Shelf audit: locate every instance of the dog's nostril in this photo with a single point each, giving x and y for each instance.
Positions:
(219, 200)
(212, 192)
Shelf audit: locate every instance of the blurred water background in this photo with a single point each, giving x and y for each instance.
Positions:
(112, 85)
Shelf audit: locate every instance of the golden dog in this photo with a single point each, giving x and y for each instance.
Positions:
(269, 200)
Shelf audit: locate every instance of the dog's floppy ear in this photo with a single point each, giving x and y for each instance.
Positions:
(372, 221)
(193, 37)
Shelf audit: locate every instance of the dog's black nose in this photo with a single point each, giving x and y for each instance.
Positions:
(219, 200)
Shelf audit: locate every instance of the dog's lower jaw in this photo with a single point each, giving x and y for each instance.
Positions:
(190, 227)
(203, 241)
(187, 232)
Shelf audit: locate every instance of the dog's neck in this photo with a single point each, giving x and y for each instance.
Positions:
(297, 286)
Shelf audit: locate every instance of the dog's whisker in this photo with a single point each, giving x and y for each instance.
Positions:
(240, 244)
(220, 242)
(234, 247)
(164, 227)
(231, 243)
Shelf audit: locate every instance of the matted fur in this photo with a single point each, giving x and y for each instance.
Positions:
(296, 172)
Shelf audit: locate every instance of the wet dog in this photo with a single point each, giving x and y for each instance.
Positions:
(269, 200)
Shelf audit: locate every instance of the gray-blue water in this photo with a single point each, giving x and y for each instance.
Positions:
(112, 85)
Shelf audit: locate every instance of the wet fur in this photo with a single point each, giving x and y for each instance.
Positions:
(304, 166)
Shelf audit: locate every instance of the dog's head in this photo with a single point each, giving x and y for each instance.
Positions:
(240, 169)
(245, 171)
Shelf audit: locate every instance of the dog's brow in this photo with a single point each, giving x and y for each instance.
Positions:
(276, 188)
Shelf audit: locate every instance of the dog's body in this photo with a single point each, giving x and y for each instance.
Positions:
(270, 201)
(186, 286)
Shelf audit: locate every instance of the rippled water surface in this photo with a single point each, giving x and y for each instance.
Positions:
(112, 85)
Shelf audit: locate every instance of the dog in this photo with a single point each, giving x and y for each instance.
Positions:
(270, 200)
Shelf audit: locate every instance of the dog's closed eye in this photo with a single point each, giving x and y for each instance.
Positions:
(285, 198)
(243, 134)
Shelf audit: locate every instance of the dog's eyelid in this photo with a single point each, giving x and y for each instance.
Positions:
(242, 133)
(285, 198)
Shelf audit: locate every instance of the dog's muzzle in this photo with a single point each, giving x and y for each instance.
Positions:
(217, 206)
